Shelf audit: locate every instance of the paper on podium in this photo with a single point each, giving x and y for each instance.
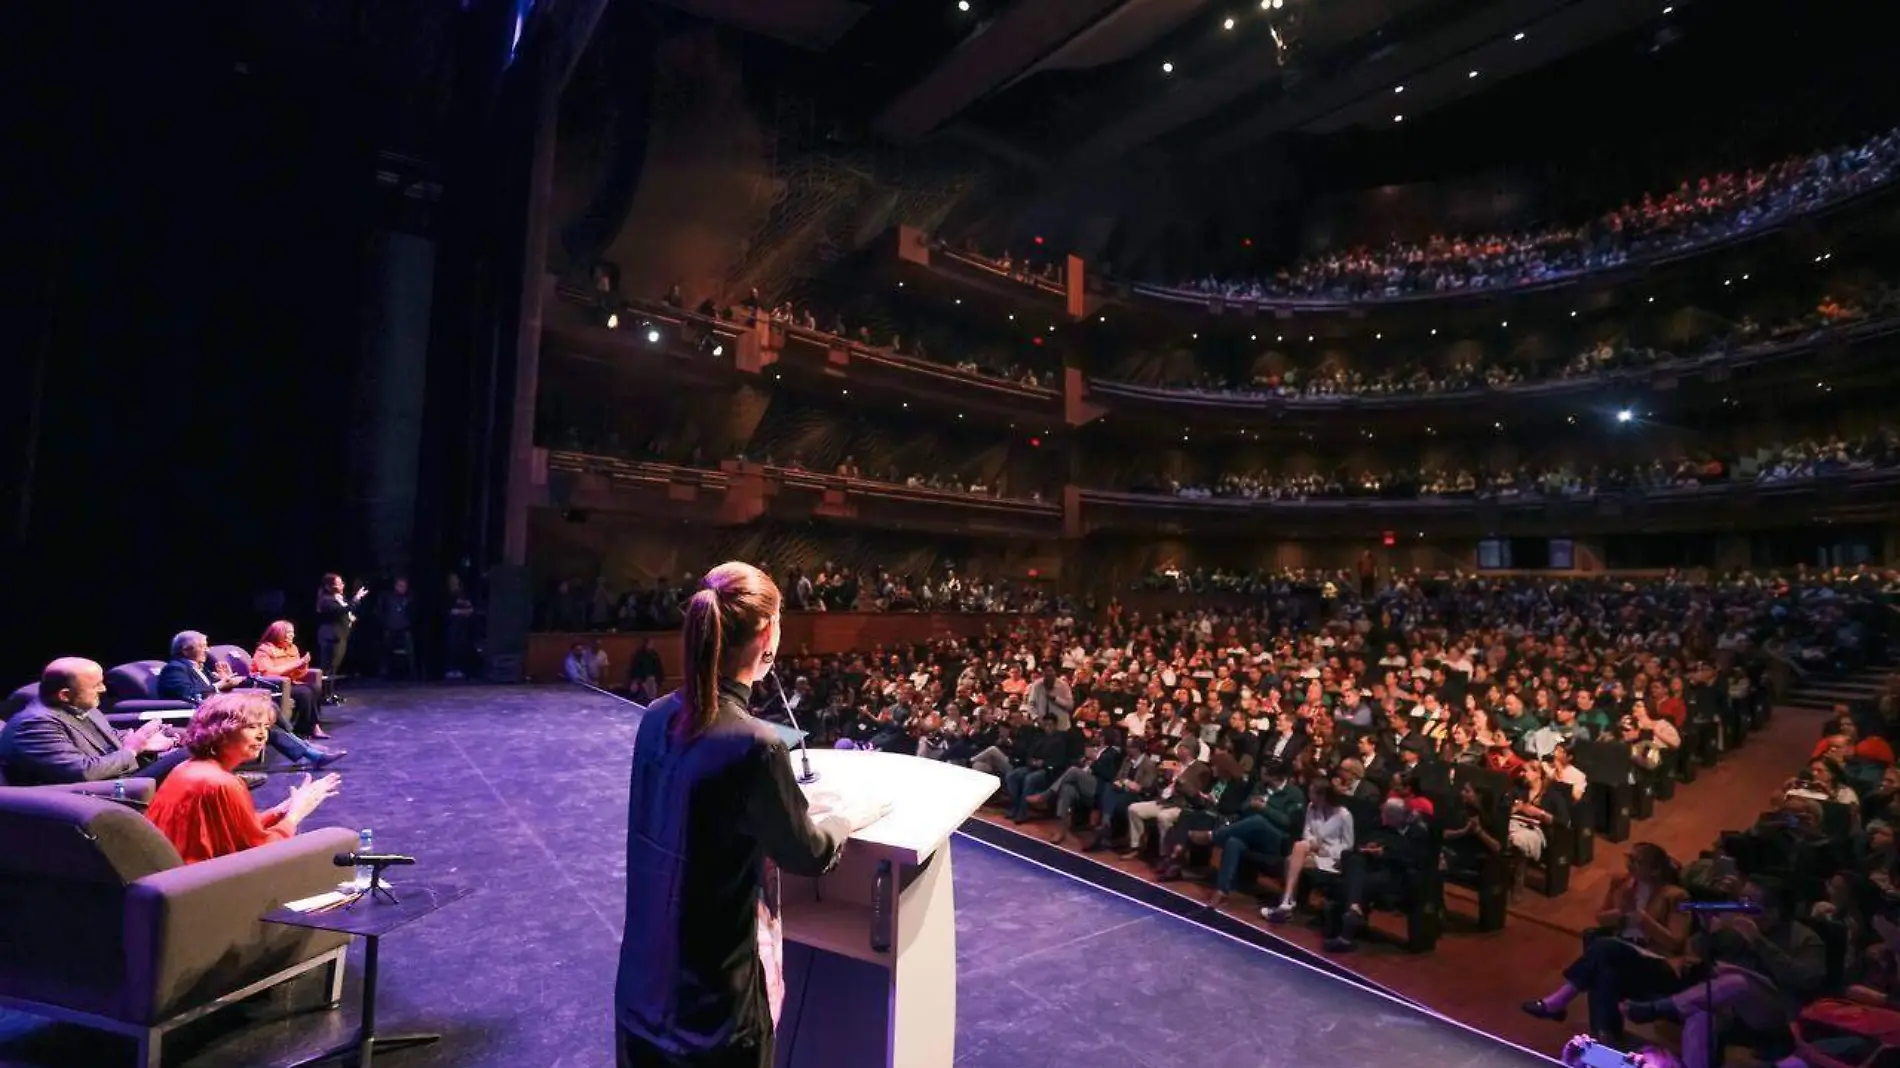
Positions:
(928, 798)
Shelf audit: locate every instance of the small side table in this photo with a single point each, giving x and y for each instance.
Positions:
(372, 917)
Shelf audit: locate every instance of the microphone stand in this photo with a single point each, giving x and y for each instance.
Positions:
(376, 888)
(806, 776)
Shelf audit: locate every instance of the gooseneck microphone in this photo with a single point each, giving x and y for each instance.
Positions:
(806, 776)
(378, 860)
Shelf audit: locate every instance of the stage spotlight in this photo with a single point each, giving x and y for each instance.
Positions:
(1471, 74)
(1624, 415)
(1398, 118)
(1227, 25)
(1519, 37)
(719, 350)
(1167, 68)
(1398, 88)
(1278, 4)
(963, 5)
(653, 337)
(613, 320)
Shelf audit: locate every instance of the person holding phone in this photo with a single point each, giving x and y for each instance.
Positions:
(714, 814)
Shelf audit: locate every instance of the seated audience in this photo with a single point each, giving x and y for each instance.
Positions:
(203, 809)
(1191, 785)
(1382, 866)
(62, 737)
(183, 678)
(277, 657)
(1636, 951)
(1324, 842)
(1766, 966)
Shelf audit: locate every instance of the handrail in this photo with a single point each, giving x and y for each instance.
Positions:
(1463, 502)
(900, 491)
(1751, 355)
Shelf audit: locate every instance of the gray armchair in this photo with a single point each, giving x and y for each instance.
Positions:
(102, 925)
(132, 696)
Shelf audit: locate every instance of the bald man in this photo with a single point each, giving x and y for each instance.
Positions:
(64, 738)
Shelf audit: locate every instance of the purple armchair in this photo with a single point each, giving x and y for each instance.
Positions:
(132, 696)
(102, 925)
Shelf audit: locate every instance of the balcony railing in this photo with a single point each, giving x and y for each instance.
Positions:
(1856, 483)
(1759, 354)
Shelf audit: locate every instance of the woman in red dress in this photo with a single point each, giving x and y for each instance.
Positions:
(203, 808)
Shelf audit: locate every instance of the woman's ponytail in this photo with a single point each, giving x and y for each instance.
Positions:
(703, 636)
(735, 604)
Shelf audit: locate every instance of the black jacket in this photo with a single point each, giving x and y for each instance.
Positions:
(703, 817)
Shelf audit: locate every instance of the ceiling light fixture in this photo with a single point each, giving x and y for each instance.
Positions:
(1167, 68)
(1519, 37)
(1471, 74)
(1398, 118)
(1227, 25)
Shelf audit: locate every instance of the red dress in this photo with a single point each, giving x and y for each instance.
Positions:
(205, 811)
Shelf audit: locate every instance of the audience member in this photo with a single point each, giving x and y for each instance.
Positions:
(63, 737)
(183, 678)
(277, 657)
(203, 808)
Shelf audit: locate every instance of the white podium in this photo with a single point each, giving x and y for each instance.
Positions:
(848, 1005)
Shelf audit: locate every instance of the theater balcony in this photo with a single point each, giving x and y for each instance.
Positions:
(805, 359)
(1778, 361)
(741, 492)
(654, 337)
(1870, 206)
(1869, 496)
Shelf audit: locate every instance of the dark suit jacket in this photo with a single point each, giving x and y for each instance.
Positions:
(704, 815)
(335, 615)
(180, 680)
(44, 746)
(1295, 745)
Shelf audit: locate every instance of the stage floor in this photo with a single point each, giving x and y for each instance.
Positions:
(522, 790)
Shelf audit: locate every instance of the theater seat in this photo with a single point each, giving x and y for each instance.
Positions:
(132, 695)
(107, 928)
(18, 700)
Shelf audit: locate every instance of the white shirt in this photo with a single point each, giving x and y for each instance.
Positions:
(1329, 834)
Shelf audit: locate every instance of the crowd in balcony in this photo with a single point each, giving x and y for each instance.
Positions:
(1599, 358)
(578, 605)
(1695, 213)
(1804, 459)
(832, 588)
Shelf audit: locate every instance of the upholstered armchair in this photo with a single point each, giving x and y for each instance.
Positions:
(132, 696)
(102, 925)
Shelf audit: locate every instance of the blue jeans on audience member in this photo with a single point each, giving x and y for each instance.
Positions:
(1019, 784)
(1248, 834)
(1111, 802)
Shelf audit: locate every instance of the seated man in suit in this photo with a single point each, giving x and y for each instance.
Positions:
(63, 737)
(183, 678)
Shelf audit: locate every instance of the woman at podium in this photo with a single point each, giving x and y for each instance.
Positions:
(714, 814)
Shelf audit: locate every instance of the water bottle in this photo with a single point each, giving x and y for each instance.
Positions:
(365, 843)
(881, 893)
